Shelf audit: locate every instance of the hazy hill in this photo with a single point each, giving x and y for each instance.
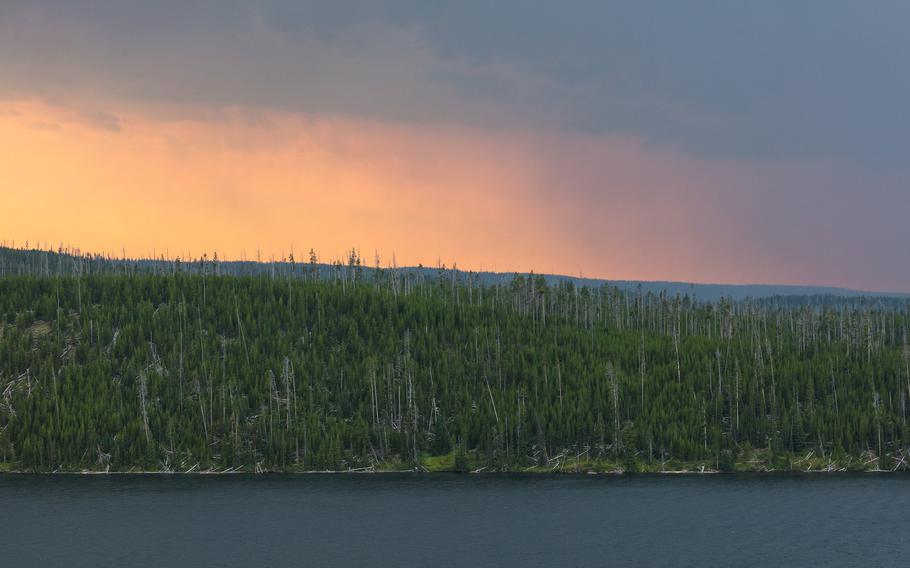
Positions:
(39, 262)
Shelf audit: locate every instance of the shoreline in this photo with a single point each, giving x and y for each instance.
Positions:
(416, 472)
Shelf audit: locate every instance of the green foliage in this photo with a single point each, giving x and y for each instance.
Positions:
(197, 371)
(726, 461)
(461, 464)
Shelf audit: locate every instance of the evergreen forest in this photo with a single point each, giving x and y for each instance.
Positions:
(187, 367)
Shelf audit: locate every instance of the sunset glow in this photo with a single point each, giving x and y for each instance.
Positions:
(508, 200)
(377, 138)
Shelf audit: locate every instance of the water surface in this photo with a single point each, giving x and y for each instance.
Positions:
(451, 520)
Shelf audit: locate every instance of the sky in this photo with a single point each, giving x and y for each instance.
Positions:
(702, 141)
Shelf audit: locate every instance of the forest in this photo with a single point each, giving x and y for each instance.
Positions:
(186, 367)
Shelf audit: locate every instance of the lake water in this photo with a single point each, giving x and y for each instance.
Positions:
(452, 520)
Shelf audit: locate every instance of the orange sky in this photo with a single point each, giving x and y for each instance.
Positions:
(497, 199)
(268, 182)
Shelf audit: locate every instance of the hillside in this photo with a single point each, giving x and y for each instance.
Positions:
(360, 369)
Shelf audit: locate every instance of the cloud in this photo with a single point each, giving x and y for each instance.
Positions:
(773, 80)
(102, 120)
(175, 55)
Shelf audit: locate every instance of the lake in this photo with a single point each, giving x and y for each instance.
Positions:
(454, 520)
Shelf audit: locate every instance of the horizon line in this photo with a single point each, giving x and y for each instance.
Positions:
(165, 256)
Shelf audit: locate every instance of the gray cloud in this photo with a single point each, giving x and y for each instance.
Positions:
(219, 54)
(102, 120)
(776, 79)
(768, 79)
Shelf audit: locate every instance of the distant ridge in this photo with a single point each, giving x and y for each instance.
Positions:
(712, 292)
(15, 261)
